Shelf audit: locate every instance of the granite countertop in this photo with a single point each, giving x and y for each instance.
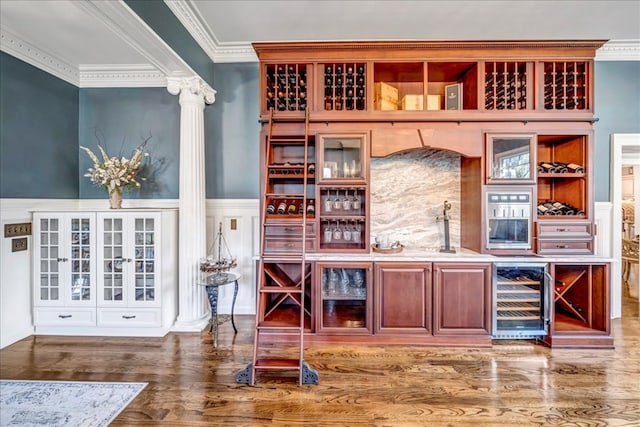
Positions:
(418, 254)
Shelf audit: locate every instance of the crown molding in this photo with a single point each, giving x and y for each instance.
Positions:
(16, 45)
(191, 18)
(124, 22)
(619, 50)
(128, 75)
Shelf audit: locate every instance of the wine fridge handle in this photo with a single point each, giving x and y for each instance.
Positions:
(550, 287)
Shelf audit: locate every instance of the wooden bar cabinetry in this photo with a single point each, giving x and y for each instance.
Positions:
(462, 296)
(403, 298)
(580, 312)
(519, 113)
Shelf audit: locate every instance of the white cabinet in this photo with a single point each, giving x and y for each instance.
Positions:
(64, 269)
(105, 273)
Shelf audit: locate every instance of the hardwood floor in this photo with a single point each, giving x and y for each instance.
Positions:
(515, 383)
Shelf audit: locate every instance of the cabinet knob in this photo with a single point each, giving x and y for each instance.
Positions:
(128, 317)
(289, 229)
(562, 246)
(65, 316)
(63, 259)
(561, 229)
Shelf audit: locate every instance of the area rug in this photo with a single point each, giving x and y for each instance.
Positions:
(63, 403)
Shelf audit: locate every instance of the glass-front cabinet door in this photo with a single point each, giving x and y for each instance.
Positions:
(344, 300)
(342, 158)
(128, 250)
(64, 259)
(511, 158)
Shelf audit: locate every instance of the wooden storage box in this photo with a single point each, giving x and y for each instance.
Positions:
(384, 91)
(413, 102)
(434, 102)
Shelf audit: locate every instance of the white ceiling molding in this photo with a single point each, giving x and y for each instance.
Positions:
(135, 75)
(17, 46)
(124, 22)
(191, 18)
(619, 50)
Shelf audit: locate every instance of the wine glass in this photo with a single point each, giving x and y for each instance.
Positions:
(356, 200)
(346, 202)
(337, 203)
(337, 232)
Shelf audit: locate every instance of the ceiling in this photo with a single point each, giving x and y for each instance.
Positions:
(86, 42)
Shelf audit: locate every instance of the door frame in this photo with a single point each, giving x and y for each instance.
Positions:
(618, 142)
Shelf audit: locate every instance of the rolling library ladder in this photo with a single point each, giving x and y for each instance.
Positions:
(284, 276)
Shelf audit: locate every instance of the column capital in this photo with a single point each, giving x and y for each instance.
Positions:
(194, 85)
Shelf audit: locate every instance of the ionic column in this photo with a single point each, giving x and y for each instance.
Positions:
(193, 310)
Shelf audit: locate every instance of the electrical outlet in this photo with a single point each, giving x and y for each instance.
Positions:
(234, 224)
(15, 230)
(19, 244)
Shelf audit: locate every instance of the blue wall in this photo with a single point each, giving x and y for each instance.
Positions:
(38, 133)
(232, 132)
(120, 120)
(617, 102)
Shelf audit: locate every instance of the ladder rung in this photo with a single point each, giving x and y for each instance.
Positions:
(278, 324)
(280, 289)
(277, 364)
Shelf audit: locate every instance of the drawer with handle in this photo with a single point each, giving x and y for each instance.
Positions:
(293, 230)
(50, 316)
(562, 230)
(581, 247)
(280, 245)
(129, 317)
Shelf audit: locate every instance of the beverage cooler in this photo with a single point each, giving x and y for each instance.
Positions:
(522, 301)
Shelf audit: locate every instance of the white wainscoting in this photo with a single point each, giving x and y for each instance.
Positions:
(15, 267)
(243, 243)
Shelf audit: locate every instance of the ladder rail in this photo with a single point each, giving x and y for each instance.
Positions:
(269, 285)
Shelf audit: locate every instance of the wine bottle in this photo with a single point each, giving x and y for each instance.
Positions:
(311, 209)
(282, 207)
(292, 207)
(301, 209)
(572, 167)
(312, 169)
(545, 167)
(271, 207)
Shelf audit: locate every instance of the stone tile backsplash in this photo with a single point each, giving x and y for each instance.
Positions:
(408, 191)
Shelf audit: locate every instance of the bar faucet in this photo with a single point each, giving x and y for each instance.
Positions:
(445, 218)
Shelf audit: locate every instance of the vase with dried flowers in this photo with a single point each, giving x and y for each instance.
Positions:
(116, 174)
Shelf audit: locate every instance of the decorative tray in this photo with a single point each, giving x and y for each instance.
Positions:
(395, 250)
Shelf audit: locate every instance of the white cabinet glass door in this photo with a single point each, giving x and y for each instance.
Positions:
(64, 264)
(128, 248)
(145, 259)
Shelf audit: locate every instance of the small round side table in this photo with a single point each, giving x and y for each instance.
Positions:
(212, 286)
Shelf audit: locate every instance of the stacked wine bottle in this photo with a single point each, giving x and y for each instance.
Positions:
(344, 86)
(559, 167)
(553, 207)
(565, 86)
(505, 86)
(290, 207)
(286, 87)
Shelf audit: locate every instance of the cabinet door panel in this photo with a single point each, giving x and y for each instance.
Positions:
(462, 294)
(403, 299)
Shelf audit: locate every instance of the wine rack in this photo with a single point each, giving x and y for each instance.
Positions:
(562, 176)
(505, 86)
(566, 86)
(345, 86)
(342, 213)
(286, 87)
(580, 297)
(555, 208)
(292, 207)
(282, 308)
